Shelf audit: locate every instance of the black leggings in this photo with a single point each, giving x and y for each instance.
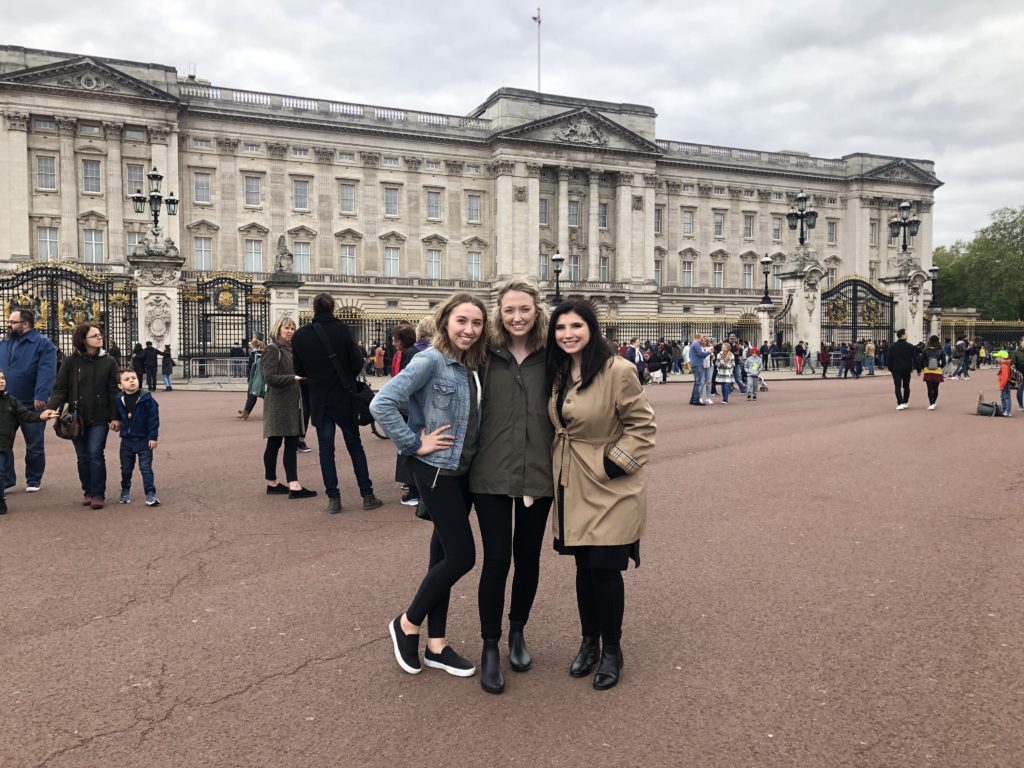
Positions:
(250, 403)
(601, 598)
(452, 551)
(291, 467)
(933, 392)
(901, 380)
(495, 514)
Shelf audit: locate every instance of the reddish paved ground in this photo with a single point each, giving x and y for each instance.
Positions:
(826, 582)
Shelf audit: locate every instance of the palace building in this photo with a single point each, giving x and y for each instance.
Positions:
(390, 209)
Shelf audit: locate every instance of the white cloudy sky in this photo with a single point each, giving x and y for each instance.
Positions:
(935, 79)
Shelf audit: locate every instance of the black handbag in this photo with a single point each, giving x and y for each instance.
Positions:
(361, 395)
(69, 423)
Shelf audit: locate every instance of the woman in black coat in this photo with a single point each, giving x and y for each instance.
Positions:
(167, 367)
(403, 338)
(139, 362)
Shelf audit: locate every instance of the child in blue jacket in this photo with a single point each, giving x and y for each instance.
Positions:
(140, 425)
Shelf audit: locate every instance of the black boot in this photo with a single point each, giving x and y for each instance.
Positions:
(518, 657)
(585, 659)
(608, 670)
(491, 679)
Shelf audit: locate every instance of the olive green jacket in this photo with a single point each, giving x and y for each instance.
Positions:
(514, 453)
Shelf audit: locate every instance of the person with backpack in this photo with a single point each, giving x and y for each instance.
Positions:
(1005, 379)
(1017, 361)
(257, 386)
(934, 361)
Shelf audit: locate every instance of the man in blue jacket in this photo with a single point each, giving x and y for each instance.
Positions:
(29, 362)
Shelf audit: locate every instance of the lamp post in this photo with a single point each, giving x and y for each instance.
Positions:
(766, 268)
(802, 213)
(556, 261)
(154, 199)
(904, 221)
(934, 304)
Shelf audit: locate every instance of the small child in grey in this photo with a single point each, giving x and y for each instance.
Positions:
(752, 365)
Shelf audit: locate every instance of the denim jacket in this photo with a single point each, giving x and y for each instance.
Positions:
(436, 389)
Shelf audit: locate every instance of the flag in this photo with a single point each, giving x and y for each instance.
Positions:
(537, 17)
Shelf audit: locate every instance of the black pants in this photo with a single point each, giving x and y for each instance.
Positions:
(150, 378)
(824, 370)
(495, 514)
(601, 597)
(291, 467)
(452, 551)
(250, 402)
(901, 381)
(933, 392)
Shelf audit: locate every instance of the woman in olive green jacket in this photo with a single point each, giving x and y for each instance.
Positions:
(510, 478)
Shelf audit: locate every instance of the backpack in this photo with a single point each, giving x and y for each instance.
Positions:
(257, 384)
(1016, 378)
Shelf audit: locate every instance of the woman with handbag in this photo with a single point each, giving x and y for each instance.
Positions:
(604, 435)
(442, 388)
(510, 479)
(87, 384)
(282, 411)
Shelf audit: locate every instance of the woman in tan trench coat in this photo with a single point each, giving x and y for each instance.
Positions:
(604, 434)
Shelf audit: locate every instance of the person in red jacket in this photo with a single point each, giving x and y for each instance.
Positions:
(1004, 373)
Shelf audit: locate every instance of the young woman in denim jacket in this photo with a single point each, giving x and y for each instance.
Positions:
(442, 389)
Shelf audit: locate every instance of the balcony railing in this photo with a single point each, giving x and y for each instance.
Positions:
(747, 156)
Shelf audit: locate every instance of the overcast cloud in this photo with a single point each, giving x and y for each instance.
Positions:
(940, 80)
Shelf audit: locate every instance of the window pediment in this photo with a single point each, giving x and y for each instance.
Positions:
(749, 256)
(393, 238)
(202, 225)
(92, 216)
(476, 242)
(434, 240)
(719, 255)
(689, 253)
(348, 235)
(254, 228)
(302, 231)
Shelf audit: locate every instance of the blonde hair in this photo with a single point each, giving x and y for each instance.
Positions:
(500, 337)
(474, 356)
(282, 321)
(426, 328)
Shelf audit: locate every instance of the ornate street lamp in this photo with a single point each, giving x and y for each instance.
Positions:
(802, 213)
(904, 222)
(155, 199)
(766, 268)
(556, 261)
(934, 304)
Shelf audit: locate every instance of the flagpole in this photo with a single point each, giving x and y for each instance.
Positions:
(537, 19)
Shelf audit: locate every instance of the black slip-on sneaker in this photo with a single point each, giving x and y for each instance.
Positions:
(449, 661)
(407, 647)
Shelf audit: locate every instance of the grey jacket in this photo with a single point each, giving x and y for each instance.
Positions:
(282, 405)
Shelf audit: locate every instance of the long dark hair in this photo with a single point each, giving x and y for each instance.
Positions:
(595, 354)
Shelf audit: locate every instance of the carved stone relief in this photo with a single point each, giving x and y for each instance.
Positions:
(673, 187)
(413, 163)
(638, 202)
(87, 81)
(277, 151)
(370, 159)
(283, 259)
(227, 145)
(533, 170)
(502, 168)
(158, 134)
(113, 130)
(454, 167)
(650, 180)
(581, 131)
(159, 318)
(67, 125)
(519, 194)
(17, 122)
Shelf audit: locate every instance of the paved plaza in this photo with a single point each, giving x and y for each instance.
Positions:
(825, 582)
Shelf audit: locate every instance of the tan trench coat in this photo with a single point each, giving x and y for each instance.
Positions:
(609, 418)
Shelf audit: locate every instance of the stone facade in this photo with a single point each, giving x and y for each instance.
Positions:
(392, 209)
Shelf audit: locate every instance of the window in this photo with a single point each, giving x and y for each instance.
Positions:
(748, 193)
(687, 222)
(347, 254)
(833, 232)
(347, 157)
(719, 190)
(657, 271)
(300, 194)
(686, 275)
(873, 233)
(748, 226)
(252, 190)
(831, 276)
(776, 227)
(46, 172)
(602, 268)
(659, 216)
(473, 208)
(201, 143)
(543, 211)
(474, 265)
(831, 201)
(89, 129)
(202, 184)
(44, 124)
(135, 178)
(134, 134)
(253, 255)
(434, 264)
(391, 262)
(392, 303)
(542, 267)
(687, 187)
(718, 277)
(93, 253)
(91, 176)
(300, 151)
(347, 198)
(574, 213)
(472, 169)
(602, 215)
(893, 241)
(133, 240)
(390, 201)
(203, 253)
(778, 196)
(572, 272)
(433, 165)
(433, 204)
(301, 251)
(250, 147)
(776, 281)
(719, 225)
(46, 237)
(873, 271)
(748, 275)
(391, 162)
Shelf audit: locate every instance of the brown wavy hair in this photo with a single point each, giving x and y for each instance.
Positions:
(500, 337)
(473, 356)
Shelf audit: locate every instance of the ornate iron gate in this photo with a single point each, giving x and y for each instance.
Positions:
(782, 325)
(854, 309)
(221, 313)
(62, 297)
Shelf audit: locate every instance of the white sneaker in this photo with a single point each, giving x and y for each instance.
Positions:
(31, 488)
(931, 407)
(901, 407)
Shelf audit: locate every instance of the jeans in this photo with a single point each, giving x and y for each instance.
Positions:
(130, 448)
(92, 464)
(167, 381)
(901, 382)
(1020, 397)
(35, 458)
(698, 384)
(1004, 398)
(354, 445)
(965, 367)
(726, 390)
(871, 365)
(737, 376)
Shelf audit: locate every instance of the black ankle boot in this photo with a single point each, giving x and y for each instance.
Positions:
(491, 679)
(608, 670)
(586, 657)
(518, 657)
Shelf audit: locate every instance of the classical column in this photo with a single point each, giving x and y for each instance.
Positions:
(504, 218)
(593, 228)
(19, 188)
(280, 195)
(372, 214)
(117, 245)
(673, 226)
(68, 249)
(456, 213)
(650, 187)
(414, 257)
(563, 210)
(325, 259)
(623, 267)
(226, 253)
(527, 261)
